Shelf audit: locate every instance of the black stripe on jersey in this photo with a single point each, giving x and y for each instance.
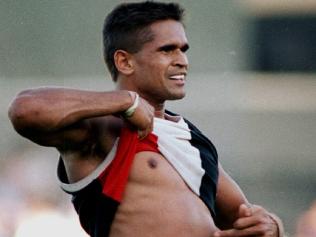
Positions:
(209, 160)
(96, 211)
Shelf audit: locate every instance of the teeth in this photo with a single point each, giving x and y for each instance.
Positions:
(177, 77)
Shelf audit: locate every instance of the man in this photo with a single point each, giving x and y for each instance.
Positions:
(133, 168)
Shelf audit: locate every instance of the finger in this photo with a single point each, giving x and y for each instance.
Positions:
(144, 133)
(142, 118)
(229, 233)
(251, 231)
(245, 210)
(246, 222)
(260, 222)
(258, 209)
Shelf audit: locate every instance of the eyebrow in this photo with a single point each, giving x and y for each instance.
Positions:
(170, 47)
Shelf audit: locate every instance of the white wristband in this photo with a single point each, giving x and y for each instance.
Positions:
(130, 111)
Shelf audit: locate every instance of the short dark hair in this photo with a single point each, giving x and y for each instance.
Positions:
(126, 27)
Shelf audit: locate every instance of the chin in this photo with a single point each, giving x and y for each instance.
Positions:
(178, 96)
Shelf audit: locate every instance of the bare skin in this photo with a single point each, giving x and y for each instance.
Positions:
(154, 188)
(154, 199)
(83, 126)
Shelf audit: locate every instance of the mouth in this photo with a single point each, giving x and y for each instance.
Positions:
(180, 77)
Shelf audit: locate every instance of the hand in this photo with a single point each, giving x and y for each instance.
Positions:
(252, 221)
(142, 118)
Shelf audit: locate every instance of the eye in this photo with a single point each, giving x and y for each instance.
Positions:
(185, 48)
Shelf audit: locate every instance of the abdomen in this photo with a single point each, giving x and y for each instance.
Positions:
(157, 202)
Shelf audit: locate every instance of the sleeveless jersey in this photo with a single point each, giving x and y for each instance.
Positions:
(97, 196)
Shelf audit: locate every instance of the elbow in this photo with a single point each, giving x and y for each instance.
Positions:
(22, 111)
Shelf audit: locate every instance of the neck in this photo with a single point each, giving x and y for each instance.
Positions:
(160, 111)
(158, 106)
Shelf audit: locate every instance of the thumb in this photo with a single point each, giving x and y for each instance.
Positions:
(244, 210)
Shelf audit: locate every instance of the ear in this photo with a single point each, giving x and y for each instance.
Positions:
(123, 62)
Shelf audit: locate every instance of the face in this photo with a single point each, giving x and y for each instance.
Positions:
(160, 67)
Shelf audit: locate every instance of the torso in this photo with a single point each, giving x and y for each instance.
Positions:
(156, 201)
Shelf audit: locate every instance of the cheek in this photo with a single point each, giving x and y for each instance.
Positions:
(155, 69)
(153, 66)
(161, 66)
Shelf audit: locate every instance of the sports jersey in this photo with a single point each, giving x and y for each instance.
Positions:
(97, 196)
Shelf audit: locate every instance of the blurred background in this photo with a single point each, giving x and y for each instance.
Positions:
(251, 89)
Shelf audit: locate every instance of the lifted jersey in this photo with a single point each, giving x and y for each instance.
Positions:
(97, 196)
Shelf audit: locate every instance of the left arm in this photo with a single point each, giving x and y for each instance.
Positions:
(237, 216)
(229, 197)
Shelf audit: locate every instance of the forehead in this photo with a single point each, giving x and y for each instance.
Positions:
(168, 32)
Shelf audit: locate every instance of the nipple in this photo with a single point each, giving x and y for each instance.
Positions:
(152, 163)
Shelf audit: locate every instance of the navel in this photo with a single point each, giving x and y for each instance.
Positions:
(152, 163)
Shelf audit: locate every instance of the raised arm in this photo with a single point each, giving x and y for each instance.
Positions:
(48, 116)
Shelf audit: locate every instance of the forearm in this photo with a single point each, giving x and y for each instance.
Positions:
(51, 109)
(228, 200)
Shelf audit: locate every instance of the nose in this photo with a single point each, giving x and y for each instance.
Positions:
(181, 60)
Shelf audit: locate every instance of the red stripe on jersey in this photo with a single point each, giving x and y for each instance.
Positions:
(115, 176)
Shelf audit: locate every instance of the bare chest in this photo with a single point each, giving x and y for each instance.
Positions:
(158, 201)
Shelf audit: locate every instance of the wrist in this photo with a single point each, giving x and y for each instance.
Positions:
(131, 110)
